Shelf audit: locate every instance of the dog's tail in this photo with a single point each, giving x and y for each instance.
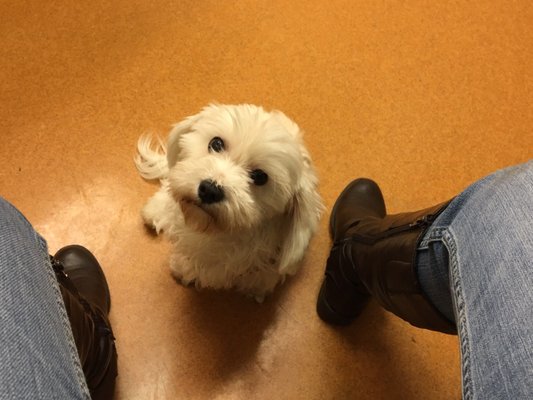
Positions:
(151, 163)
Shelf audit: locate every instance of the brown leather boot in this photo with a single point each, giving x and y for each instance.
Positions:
(86, 296)
(374, 254)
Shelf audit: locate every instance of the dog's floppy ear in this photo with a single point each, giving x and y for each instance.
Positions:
(303, 214)
(173, 142)
(305, 208)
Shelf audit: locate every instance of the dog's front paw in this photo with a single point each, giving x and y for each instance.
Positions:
(181, 279)
(179, 270)
(259, 298)
(160, 210)
(150, 222)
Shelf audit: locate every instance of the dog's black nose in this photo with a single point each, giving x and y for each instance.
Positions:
(209, 192)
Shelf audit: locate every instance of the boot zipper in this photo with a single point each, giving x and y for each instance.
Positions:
(67, 283)
(58, 267)
(423, 222)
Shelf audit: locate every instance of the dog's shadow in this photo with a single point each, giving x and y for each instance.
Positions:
(225, 330)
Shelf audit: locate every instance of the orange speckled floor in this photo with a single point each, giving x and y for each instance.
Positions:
(421, 96)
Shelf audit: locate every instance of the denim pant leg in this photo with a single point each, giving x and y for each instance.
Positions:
(38, 356)
(483, 243)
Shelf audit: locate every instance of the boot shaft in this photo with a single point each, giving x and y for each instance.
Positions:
(383, 252)
(93, 337)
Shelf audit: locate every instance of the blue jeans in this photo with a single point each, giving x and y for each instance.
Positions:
(475, 263)
(38, 356)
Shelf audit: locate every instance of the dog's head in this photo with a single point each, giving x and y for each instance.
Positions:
(241, 167)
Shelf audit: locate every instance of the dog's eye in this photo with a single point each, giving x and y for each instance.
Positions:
(259, 177)
(216, 144)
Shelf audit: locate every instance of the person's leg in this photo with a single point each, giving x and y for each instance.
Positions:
(373, 254)
(472, 266)
(38, 356)
(481, 247)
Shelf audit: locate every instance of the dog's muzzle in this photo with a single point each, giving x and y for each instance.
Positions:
(209, 192)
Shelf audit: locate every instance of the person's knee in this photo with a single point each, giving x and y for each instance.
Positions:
(8, 212)
(14, 226)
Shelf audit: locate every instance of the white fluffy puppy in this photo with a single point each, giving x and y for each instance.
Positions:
(238, 197)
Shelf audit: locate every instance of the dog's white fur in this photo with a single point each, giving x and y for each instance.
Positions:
(256, 235)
